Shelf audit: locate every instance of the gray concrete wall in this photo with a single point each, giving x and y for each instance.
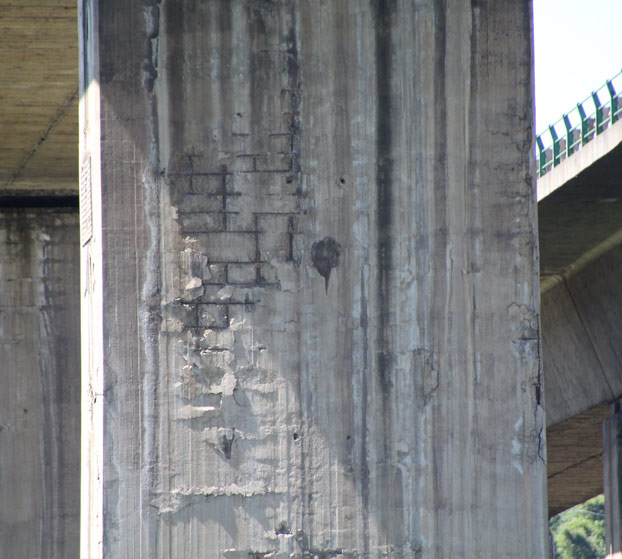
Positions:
(319, 300)
(40, 375)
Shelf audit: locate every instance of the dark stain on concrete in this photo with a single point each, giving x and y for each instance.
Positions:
(364, 472)
(293, 66)
(224, 17)
(177, 32)
(293, 73)
(150, 71)
(283, 529)
(439, 242)
(226, 444)
(325, 256)
(260, 69)
(426, 367)
(384, 191)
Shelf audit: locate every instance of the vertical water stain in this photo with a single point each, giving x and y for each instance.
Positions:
(384, 183)
(387, 487)
(226, 444)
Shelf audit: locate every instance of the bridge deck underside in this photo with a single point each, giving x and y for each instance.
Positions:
(575, 459)
(39, 97)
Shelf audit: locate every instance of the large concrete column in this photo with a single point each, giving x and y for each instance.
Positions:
(311, 277)
(40, 383)
(612, 481)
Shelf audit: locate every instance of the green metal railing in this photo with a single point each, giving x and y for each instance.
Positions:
(577, 127)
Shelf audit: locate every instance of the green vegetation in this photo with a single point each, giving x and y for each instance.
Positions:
(579, 533)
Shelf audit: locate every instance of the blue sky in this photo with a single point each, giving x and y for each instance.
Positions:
(577, 46)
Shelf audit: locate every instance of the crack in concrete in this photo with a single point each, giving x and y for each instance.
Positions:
(55, 120)
(591, 457)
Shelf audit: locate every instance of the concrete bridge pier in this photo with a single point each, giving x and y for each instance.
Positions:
(612, 461)
(40, 379)
(310, 281)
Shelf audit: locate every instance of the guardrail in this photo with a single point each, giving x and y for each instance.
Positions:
(577, 127)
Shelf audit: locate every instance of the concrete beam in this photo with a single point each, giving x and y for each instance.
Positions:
(313, 304)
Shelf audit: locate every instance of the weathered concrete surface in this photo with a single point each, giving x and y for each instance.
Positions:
(319, 300)
(40, 375)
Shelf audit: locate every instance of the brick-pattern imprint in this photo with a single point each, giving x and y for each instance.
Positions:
(238, 203)
(238, 216)
(230, 263)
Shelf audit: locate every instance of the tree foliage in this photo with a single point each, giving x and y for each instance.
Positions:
(579, 533)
